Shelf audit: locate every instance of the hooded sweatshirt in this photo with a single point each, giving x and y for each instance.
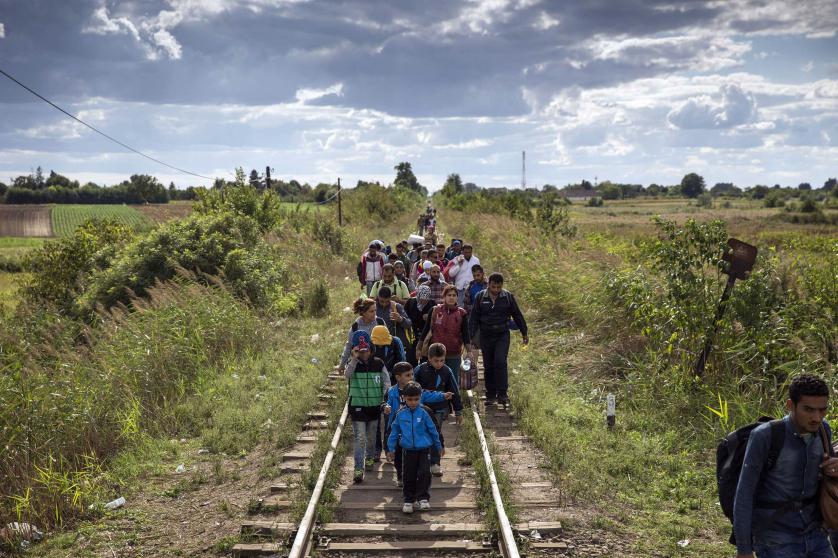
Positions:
(413, 429)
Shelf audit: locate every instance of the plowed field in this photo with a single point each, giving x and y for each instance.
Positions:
(25, 220)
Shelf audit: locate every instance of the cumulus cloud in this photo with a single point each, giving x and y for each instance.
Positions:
(545, 21)
(732, 107)
(101, 23)
(480, 16)
(306, 95)
(812, 18)
(697, 50)
(470, 144)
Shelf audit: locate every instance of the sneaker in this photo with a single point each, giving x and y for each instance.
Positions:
(358, 476)
(407, 508)
(436, 471)
(369, 463)
(490, 401)
(424, 505)
(503, 400)
(399, 483)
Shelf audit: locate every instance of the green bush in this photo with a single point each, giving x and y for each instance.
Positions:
(226, 243)
(330, 234)
(243, 200)
(515, 204)
(315, 300)
(595, 201)
(704, 200)
(378, 202)
(61, 270)
(552, 218)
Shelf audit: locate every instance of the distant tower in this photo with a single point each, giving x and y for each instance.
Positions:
(523, 170)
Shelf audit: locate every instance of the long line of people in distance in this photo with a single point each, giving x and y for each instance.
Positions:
(425, 309)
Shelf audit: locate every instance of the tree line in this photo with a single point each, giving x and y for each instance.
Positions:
(36, 188)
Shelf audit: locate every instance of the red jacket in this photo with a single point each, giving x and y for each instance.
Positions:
(449, 327)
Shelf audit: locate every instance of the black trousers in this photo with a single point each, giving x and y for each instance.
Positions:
(495, 348)
(439, 418)
(378, 442)
(416, 475)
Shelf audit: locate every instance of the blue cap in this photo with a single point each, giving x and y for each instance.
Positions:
(358, 336)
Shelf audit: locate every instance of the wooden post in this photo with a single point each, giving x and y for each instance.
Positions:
(340, 207)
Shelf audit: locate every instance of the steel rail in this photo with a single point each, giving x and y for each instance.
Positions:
(506, 542)
(302, 540)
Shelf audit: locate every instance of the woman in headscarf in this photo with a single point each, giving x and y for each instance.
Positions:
(417, 309)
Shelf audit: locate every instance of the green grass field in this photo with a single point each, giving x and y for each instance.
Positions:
(66, 218)
(13, 246)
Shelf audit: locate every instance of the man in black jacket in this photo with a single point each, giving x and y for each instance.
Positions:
(490, 318)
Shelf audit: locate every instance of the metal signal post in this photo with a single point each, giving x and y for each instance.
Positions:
(740, 258)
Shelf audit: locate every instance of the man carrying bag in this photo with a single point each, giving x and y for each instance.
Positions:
(782, 501)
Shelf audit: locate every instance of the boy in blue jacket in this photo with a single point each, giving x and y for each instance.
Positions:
(413, 429)
(434, 375)
(403, 372)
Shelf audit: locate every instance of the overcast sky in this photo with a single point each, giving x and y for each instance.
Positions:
(634, 91)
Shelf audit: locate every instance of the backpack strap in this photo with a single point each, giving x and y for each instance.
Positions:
(827, 446)
(778, 437)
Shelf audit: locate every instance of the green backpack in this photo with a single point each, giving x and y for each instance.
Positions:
(365, 389)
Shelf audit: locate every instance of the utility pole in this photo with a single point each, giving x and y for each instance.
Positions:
(340, 207)
(268, 177)
(523, 170)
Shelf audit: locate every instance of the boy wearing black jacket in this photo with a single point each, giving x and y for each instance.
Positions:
(435, 376)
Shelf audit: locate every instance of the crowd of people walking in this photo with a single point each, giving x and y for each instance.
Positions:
(425, 310)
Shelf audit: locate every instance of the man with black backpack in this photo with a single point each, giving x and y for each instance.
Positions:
(489, 318)
(775, 508)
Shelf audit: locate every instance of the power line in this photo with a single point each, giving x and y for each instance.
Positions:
(333, 196)
(79, 120)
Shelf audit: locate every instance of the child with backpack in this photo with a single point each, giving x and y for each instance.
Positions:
(403, 372)
(369, 382)
(434, 375)
(777, 479)
(414, 431)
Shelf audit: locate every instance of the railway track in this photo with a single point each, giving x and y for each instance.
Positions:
(367, 518)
